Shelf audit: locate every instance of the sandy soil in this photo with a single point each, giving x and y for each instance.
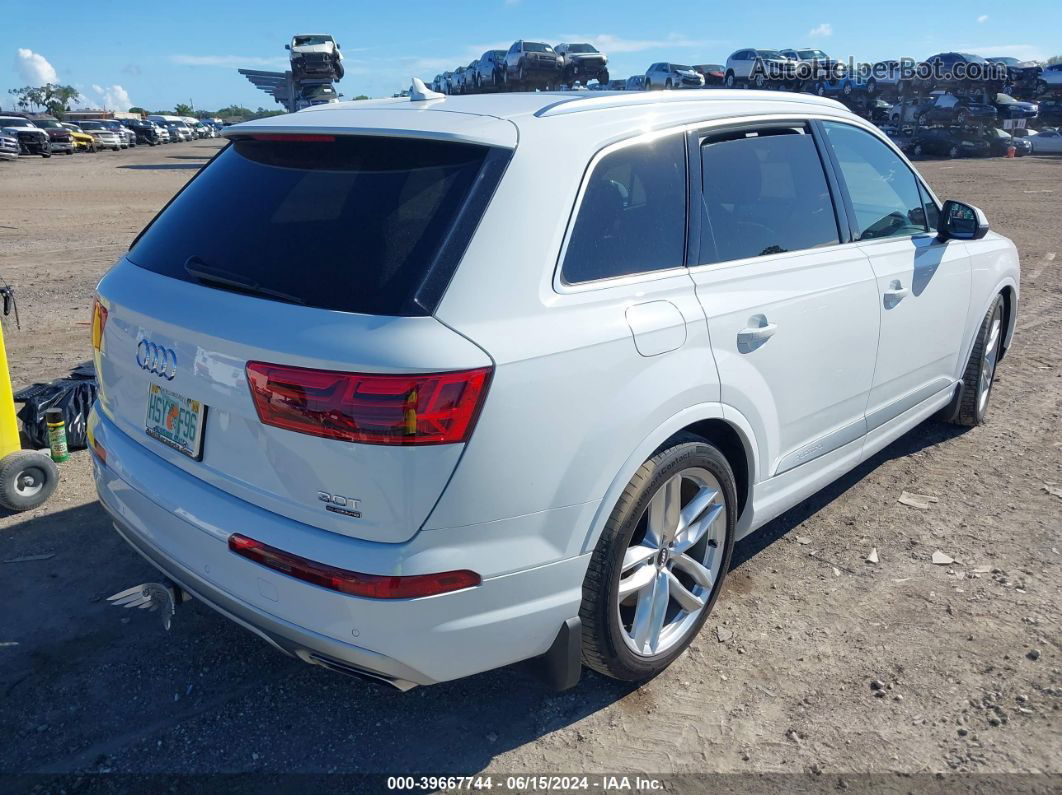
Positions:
(780, 681)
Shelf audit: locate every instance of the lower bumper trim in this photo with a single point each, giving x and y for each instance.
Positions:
(299, 642)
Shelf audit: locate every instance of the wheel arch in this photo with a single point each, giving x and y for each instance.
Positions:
(1010, 315)
(720, 426)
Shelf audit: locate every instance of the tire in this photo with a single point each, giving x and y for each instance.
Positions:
(953, 152)
(46, 155)
(702, 475)
(603, 78)
(820, 89)
(981, 368)
(922, 120)
(730, 80)
(960, 118)
(27, 480)
(847, 90)
(918, 150)
(1041, 86)
(872, 86)
(668, 85)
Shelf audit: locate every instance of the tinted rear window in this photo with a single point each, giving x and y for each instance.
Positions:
(351, 224)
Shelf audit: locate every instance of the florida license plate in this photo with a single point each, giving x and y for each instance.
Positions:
(175, 420)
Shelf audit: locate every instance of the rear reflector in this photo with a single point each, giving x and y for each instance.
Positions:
(434, 408)
(99, 321)
(371, 586)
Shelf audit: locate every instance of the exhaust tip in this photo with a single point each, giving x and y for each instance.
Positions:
(340, 667)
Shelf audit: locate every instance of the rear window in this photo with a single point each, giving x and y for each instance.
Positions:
(352, 224)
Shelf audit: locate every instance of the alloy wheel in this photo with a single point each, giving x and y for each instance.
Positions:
(671, 565)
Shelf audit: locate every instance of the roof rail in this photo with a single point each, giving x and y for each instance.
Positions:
(607, 100)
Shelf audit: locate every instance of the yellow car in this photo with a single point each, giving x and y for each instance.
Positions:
(83, 142)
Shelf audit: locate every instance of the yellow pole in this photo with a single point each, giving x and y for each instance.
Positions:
(9, 439)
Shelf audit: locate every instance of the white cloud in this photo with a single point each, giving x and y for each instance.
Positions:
(228, 60)
(983, 18)
(112, 97)
(825, 29)
(33, 68)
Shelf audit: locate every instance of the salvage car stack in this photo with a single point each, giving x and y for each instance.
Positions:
(951, 104)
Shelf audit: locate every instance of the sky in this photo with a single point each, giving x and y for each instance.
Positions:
(156, 55)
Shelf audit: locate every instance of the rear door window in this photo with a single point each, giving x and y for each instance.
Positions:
(764, 192)
(632, 218)
(350, 223)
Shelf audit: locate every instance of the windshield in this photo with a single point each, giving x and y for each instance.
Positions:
(1005, 99)
(16, 123)
(810, 54)
(311, 41)
(352, 223)
(770, 54)
(711, 67)
(677, 67)
(581, 48)
(531, 46)
(49, 124)
(1007, 61)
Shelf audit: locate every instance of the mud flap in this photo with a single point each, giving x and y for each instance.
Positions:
(562, 665)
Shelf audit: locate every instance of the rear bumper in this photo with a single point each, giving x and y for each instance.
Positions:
(181, 525)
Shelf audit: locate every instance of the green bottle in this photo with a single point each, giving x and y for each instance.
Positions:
(53, 419)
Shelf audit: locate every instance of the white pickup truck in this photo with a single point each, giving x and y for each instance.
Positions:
(315, 55)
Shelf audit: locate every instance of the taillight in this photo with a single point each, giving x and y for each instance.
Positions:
(99, 321)
(371, 586)
(435, 408)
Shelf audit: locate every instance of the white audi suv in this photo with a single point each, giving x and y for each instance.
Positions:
(416, 388)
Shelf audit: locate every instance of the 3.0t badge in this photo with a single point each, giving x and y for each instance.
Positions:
(348, 506)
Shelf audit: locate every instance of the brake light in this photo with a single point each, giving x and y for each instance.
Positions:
(371, 586)
(432, 408)
(99, 321)
(301, 137)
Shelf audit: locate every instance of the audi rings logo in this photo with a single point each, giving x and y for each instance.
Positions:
(156, 359)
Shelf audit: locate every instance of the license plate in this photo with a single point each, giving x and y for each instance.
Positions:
(175, 420)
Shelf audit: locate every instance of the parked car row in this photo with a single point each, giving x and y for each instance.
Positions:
(22, 134)
(526, 65)
(532, 65)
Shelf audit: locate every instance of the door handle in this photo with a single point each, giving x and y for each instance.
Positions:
(756, 333)
(895, 293)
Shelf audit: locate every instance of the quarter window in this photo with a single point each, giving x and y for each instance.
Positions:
(632, 218)
(764, 192)
(884, 192)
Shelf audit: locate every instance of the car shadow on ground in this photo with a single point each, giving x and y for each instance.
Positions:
(928, 434)
(163, 166)
(90, 686)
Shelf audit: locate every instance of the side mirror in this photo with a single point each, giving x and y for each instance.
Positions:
(287, 46)
(960, 221)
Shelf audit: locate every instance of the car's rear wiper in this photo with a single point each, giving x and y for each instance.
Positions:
(199, 270)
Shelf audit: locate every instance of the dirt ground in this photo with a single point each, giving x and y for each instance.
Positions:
(780, 681)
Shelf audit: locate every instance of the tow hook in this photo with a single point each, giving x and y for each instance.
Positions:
(153, 596)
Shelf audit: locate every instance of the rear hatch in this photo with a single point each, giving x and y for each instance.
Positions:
(296, 267)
